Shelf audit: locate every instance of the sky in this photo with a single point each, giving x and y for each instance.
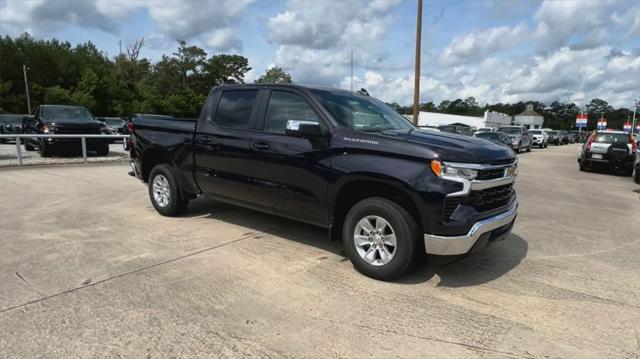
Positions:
(496, 51)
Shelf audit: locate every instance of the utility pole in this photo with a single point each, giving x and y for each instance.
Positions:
(633, 122)
(416, 87)
(26, 87)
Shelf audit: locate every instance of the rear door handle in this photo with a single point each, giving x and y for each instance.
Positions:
(261, 146)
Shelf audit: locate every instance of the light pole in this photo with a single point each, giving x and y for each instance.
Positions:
(26, 87)
(416, 90)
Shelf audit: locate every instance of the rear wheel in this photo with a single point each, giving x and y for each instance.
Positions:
(45, 149)
(164, 192)
(529, 148)
(628, 171)
(103, 150)
(583, 165)
(380, 238)
(28, 146)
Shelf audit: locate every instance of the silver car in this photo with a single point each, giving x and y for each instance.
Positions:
(613, 149)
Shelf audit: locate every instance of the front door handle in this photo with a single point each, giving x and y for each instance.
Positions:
(205, 139)
(261, 146)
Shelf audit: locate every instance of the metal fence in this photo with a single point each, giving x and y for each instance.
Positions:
(83, 141)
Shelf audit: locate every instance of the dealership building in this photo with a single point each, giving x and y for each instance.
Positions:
(529, 118)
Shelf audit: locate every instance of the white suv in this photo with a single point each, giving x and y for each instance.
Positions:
(540, 138)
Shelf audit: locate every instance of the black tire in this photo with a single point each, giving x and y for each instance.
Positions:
(103, 150)
(177, 203)
(529, 148)
(28, 147)
(583, 166)
(402, 224)
(628, 171)
(45, 149)
(636, 177)
(519, 148)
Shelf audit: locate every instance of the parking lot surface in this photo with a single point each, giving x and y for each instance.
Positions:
(89, 269)
(8, 156)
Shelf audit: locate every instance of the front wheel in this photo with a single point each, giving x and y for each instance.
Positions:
(164, 191)
(529, 148)
(379, 238)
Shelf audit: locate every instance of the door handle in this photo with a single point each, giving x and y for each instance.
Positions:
(261, 146)
(205, 139)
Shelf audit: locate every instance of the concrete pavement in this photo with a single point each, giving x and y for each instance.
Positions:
(89, 269)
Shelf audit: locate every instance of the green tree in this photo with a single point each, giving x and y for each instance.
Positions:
(274, 75)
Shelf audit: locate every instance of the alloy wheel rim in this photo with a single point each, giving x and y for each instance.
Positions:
(375, 240)
(161, 190)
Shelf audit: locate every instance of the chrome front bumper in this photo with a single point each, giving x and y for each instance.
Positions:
(455, 245)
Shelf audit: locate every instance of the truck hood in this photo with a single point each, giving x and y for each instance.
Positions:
(457, 148)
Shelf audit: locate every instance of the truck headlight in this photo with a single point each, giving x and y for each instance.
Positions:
(440, 169)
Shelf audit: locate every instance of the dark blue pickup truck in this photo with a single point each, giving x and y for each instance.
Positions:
(337, 159)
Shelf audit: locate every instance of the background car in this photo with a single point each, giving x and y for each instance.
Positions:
(458, 129)
(554, 137)
(58, 119)
(520, 137)
(497, 137)
(114, 126)
(636, 177)
(563, 137)
(614, 149)
(540, 138)
(10, 124)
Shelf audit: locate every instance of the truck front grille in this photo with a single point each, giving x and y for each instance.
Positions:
(481, 201)
(492, 198)
(484, 175)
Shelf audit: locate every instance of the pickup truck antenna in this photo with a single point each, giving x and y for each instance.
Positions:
(351, 102)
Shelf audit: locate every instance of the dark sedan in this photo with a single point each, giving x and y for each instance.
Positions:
(10, 124)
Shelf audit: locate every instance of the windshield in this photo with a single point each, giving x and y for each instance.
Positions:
(552, 133)
(535, 132)
(66, 114)
(362, 113)
(488, 135)
(611, 138)
(511, 130)
(113, 122)
(11, 119)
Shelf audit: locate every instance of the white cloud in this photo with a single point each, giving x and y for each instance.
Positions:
(482, 44)
(178, 20)
(575, 23)
(316, 38)
(223, 39)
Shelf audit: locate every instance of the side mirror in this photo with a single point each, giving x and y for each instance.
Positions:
(303, 128)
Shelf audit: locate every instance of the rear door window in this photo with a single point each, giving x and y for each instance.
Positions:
(235, 108)
(611, 138)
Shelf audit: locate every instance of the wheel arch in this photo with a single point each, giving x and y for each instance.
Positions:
(349, 191)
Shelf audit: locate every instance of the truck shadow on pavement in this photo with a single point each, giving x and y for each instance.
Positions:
(454, 271)
(477, 268)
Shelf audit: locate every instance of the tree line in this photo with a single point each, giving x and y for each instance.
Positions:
(178, 84)
(59, 73)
